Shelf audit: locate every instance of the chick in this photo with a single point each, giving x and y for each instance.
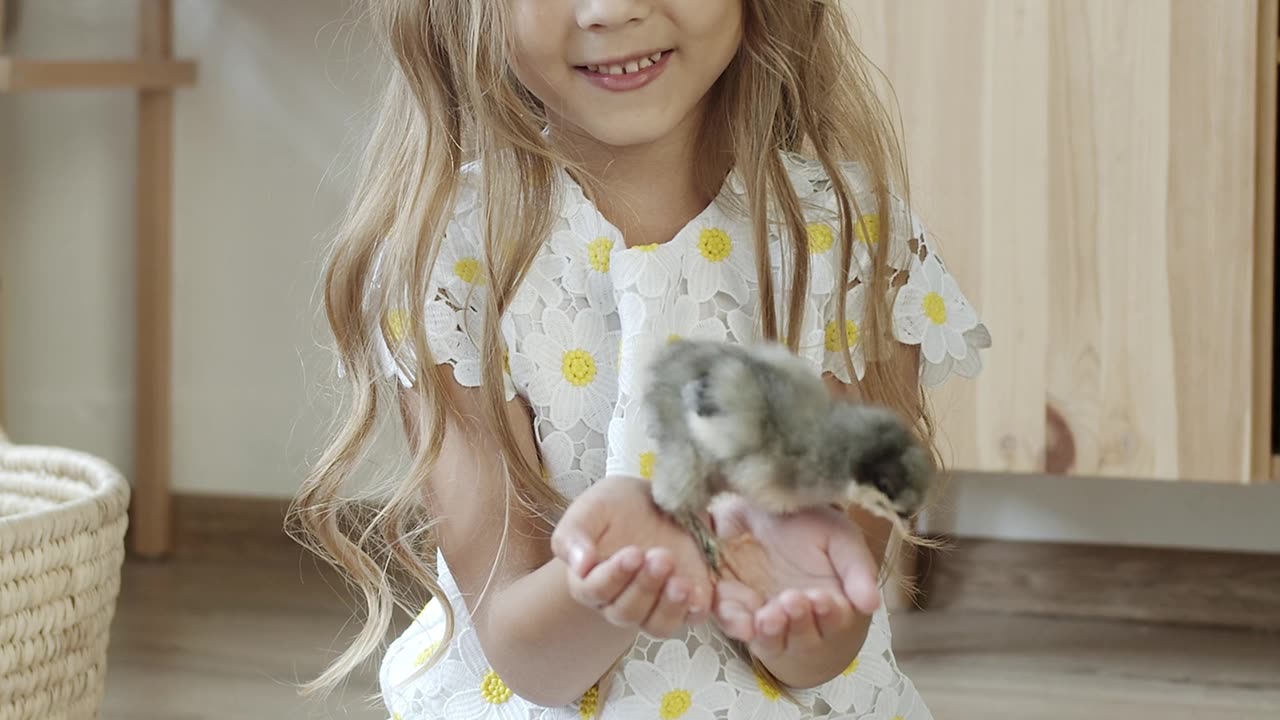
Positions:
(759, 422)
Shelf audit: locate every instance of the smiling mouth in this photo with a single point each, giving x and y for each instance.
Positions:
(626, 67)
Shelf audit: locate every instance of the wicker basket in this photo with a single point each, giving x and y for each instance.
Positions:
(62, 520)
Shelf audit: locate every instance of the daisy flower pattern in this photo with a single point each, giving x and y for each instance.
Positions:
(631, 451)
(590, 244)
(822, 243)
(930, 311)
(575, 377)
(574, 468)
(676, 686)
(719, 260)
(459, 268)
(855, 688)
(489, 698)
(855, 310)
(647, 269)
(975, 339)
(758, 698)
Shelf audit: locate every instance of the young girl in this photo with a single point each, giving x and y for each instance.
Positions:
(553, 188)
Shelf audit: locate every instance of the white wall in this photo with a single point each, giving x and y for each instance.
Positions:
(260, 178)
(259, 182)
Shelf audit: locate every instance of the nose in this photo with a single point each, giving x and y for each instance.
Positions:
(610, 14)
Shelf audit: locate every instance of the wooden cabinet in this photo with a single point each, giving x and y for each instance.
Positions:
(1100, 176)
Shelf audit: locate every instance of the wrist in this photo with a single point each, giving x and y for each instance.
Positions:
(809, 670)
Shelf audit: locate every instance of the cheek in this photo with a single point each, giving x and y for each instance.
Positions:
(537, 57)
(716, 25)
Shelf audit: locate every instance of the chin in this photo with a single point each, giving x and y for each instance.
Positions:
(630, 130)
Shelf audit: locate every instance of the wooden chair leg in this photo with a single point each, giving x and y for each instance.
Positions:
(151, 523)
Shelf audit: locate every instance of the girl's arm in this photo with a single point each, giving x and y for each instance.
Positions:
(547, 647)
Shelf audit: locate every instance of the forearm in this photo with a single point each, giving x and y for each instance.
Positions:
(547, 647)
(809, 670)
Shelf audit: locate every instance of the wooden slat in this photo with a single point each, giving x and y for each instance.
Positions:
(152, 522)
(23, 75)
(1264, 243)
(1089, 173)
(1107, 582)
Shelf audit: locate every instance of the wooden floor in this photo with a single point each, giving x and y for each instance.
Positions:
(223, 639)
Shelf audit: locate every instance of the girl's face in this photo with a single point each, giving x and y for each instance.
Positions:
(625, 72)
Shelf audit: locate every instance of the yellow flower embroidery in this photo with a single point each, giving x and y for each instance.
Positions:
(715, 245)
(935, 308)
(821, 238)
(675, 704)
(493, 690)
(397, 716)
(506, 361)
(598, 253)
(397, 324)
(579, 368)
(853, 668)
(468, 269)
(767, 688)
(647, 248)
(590, 704)
(426, 654)
(647, 461)
(672, 337)
(851, 331)
(868, 229)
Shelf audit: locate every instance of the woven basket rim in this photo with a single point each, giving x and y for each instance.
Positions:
(111, 486)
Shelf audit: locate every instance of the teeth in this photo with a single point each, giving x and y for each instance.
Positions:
(633, 66)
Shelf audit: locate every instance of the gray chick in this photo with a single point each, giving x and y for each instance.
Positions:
(759, 422)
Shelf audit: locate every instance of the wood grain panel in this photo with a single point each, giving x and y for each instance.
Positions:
(1211, 206)
(968, 79)
(1090, 173)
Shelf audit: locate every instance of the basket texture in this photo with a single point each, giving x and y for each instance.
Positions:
(63, 516)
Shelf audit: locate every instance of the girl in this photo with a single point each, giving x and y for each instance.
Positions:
(552, 188)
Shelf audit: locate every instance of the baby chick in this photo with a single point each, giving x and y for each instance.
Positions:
(759, 422)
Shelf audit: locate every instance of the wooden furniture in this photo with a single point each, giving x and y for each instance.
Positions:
(154, 74)
(1101, 176)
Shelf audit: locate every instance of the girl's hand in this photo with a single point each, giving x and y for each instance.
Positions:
(629, 561)
(798, 581)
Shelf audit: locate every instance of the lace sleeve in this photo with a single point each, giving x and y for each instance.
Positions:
(927, 307)
(453, 314)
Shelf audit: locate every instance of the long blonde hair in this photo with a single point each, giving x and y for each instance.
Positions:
(798, 83)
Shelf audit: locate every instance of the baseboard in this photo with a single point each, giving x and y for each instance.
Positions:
(1107, 582)
(219, 525)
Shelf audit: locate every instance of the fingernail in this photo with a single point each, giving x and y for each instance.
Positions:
(676, 594)
(631, 562)
(772, 627)
(577, 556)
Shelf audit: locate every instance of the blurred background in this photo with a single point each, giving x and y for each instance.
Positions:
(1101, 175)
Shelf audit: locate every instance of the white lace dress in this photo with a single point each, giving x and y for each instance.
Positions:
(577, 335)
